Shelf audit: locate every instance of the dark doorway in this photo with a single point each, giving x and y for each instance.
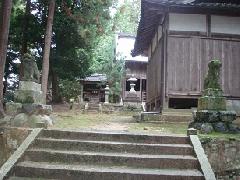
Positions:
(182, 103)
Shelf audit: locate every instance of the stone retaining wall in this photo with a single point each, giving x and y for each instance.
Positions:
(234, 105)
(224, 157)
(10, 140)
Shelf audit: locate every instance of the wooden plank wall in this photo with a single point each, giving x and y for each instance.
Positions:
(136, 69)
(133, 69)
(188, 58)
(154, 74)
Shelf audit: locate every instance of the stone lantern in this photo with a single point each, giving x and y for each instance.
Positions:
(132, 81)
(107, 94)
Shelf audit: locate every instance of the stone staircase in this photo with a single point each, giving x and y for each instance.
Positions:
(55, 154)
(93, 107)
(176, 115)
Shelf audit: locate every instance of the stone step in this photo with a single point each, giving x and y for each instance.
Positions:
(169, 110)
(93, 103)
(26, 178)
(113, 159)
(177, 113)
(92, 111)
(120, 137)
(176, 118)
(87, 172)
(93, 107)
(111, 146)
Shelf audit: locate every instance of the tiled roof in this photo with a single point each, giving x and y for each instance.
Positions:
(200, 3)
(96, 78)
(152, 12)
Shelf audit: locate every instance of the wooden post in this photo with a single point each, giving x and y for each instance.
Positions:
(140, 89)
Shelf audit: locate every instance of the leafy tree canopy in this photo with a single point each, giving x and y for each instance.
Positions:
(104, 60)
(83, 40)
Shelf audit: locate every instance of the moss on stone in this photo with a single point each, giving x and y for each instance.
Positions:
(213, 76)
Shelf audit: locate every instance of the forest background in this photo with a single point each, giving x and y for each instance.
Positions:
(82, 41)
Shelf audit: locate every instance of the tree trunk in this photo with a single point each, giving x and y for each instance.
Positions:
(24, 35)
(56, 98)
(48, 37)
(4, 31)
(5, 85)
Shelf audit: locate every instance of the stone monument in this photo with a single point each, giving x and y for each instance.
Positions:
(107, 94)
(28, 108)
(132, 95)
(211, 114)
(132, 81)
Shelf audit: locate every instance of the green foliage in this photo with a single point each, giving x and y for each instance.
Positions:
(103, 60)
(127, 17)
(9, 96)
(76, 26)
(70, 89)
(83, 39)
(71, 51)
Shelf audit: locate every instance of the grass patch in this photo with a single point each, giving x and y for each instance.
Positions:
(77, 120)
(216, 135)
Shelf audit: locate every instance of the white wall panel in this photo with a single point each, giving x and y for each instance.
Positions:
(224, 24)
(187, 22)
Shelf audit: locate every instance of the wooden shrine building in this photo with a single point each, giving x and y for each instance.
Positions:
(135, 67)
(180, 37)
(93, 88)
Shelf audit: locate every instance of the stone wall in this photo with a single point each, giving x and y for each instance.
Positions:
(111, 107)
(10, 140)
(234, 105)
(224, 157)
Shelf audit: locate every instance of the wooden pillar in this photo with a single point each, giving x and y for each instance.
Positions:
(123, 87)
(165, 59)
(81, 95)
(140, 89)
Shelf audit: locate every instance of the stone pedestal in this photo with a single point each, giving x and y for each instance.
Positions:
(212, 111)
(209, 116)
(29, 85)
(212, 103)
(107, 94)
(132, 90)
(29, 115)
(212, 100)
(132, 81)
(212, 114)
(13, 108)
(29, 92)
(29, 109)
(132, 97)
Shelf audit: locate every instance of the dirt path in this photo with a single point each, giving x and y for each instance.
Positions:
(117, 123)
